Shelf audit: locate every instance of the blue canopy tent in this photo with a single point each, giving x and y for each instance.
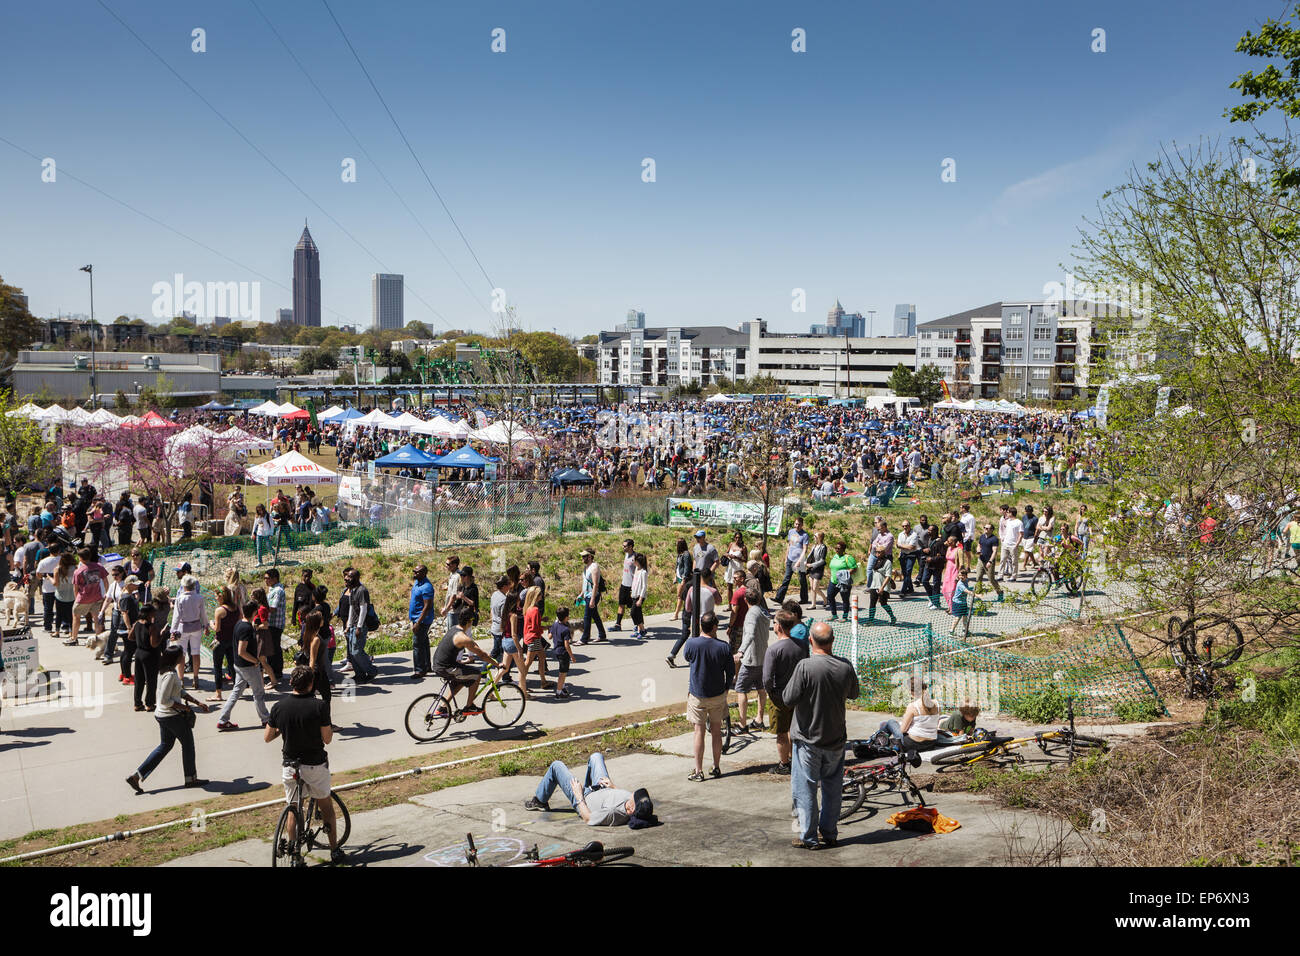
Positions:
(408, 456)
(340, 417)
(465, 457)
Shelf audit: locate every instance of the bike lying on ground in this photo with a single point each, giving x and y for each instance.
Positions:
(1001, 751)
(1201, 645)
(593, 854)
(864, 779)
(430, 715)
(309, 835)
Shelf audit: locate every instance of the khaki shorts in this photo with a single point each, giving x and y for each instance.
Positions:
(315, 780)
(712, 709)
(81, 610)
(778, 717)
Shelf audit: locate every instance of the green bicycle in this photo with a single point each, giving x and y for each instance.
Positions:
(430, 715)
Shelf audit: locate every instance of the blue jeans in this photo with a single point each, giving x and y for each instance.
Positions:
(362, 665)
(785, 584)
(496, 648)
(810, 768)
(261, 541)
(906, 563)
(842, 590)
(559, 775)
(894, 729)
(590, 614)
(171, 729)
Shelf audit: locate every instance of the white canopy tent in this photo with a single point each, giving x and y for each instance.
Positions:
(54, 415)
(434, 426)
(247, 441)
(332, 412)
(104, 418)
(503, 433)
(291, 468)
(28, 410)
(266, 408)
(719, 399)
(406, 422)
(288, 408)
(79, 416)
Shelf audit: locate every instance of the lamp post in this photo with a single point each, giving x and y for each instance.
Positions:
(94, 393)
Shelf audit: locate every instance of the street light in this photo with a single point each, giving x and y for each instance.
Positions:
(94, 394)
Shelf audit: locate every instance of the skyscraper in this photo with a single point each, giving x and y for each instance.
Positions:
(386, 295)
(905, 320)
(306, 280)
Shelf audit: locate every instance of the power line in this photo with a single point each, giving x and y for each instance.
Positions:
(409, 148)
(63, 171)
(477, 299)
(270, 162)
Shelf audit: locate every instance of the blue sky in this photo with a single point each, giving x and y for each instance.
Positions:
(774, 170)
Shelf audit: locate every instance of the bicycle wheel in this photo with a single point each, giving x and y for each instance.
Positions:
(503, 705)
(422, 719)
(726, 733)
(1059, 745)
(966, 756)
(853, 794)
(1212, 640)
(317, 836)
(286, 852)
(613, 854)
(1173, 640)
(1040, 585)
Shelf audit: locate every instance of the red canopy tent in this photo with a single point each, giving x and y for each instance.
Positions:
(152, 419)
(299, 414)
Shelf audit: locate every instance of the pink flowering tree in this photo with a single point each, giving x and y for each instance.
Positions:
(163, 462)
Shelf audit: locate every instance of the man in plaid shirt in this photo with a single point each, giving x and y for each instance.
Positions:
(275, 622)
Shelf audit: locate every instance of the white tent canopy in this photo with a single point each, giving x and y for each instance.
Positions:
(406, 422)
(291, 468)
(79, 416)
(332, 412)
(54, 415)
(288, 408)
(246, 441)
(28, 410)
(719, 399)
(266, 408)
(503, 433)
(434, 426)
(102, 416)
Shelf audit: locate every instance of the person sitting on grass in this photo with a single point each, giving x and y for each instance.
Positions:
(599, 802)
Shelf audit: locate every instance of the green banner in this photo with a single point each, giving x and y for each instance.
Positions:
(705, 512)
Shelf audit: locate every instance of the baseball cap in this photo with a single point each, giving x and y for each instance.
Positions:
(700, 533)
(643, 815)
(183, 569)
(587, 553)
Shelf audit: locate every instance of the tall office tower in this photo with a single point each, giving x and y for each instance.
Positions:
(905, 320)
(386, 293)
(306, 281)
(284, 316)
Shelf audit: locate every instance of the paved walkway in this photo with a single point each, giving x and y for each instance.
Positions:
(66, 764)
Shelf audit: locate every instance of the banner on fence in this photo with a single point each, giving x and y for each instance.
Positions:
(350, 490)
(746, 515)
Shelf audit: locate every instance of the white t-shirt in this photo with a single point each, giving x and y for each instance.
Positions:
(968, 522)
(629, 569)
(49, 564)
(1012, 533)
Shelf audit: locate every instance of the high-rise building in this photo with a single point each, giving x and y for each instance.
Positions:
(386, 293)
(306, 281)
(905, 319)
(839, 322)
(284, 316)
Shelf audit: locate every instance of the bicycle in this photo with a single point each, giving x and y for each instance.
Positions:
(729, 730)
(430, 715)
(1065, 573)
(861, 780)
(308, 836)
(1201, 645)
(1001, 751)
(593, 854)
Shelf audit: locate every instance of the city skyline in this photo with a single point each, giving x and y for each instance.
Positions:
(743, 211)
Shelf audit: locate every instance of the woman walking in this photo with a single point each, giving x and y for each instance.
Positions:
(175, 723)
(736, 560)
(149, 644)
(817, 566)
(262, 531)
(679, 574)
(223, 648)
(64, 593)
(316, 656)
(640, 581)
(534, 642)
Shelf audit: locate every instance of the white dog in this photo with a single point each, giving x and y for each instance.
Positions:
(15, 606)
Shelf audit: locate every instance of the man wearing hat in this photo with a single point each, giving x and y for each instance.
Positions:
(599, 803)
(593, 586)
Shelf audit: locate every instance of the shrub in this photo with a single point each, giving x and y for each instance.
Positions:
(627, 523)
(596, 523)
(1130, 711)
(1041, 707)
(515, 527)
(364, 538)
(654, 518)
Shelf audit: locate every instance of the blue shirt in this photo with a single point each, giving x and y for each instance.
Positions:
(799, 634)
(419, 594)
(712, 666)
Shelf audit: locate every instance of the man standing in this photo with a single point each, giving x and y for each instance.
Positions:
(796, 548)
(355, 627)
(593, 586)
(782, 656)
(1012, 532)
(304, 721)
(967, 520)
(1029, 539)
(704, 555)
(712, 669)
(749, 656)
(625, 584)
(189, 624)
(816, 692)
(988, 551)
(908, 550)
(420, 612)
(304, 598)
(90, 582)
(454, 584)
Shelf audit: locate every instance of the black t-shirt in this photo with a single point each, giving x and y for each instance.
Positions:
(988, 542)
(129, 607)
(953, 530)
(244, 633)
(300, 719)
(447, 651)
(304, 596)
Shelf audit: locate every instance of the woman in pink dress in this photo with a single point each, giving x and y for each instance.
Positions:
(952, 569)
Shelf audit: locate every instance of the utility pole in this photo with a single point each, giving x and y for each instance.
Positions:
(94, 392)
(848, 371)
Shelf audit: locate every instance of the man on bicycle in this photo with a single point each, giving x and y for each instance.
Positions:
(304, 722)
(446, 663)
